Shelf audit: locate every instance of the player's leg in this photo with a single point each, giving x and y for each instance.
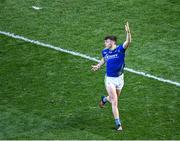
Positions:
(113, 98)
(118, 91)
(119, 85)
(105, 99)
(111, 90)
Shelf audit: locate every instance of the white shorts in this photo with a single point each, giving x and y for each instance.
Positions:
(118, 82)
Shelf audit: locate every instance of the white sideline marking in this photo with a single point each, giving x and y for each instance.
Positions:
(85, 56)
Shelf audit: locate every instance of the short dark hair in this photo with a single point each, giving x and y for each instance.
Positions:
(111, 37)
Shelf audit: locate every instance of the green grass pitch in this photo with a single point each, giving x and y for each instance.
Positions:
(45, 94)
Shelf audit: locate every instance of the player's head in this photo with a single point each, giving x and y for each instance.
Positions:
(110, 41)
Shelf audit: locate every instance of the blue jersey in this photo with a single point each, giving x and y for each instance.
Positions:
(114, 61)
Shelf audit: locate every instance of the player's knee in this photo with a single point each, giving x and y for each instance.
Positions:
(114, 102)
(111, 98)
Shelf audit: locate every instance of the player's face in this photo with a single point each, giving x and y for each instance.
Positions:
(108, 43)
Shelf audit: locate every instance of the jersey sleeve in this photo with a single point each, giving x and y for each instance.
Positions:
(103, 53)
(121, 49)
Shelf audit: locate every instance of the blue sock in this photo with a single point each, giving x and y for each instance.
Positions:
(104, 99)
(117, 122)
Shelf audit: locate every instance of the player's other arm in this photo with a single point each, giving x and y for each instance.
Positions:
(98, 66)
(128, 36)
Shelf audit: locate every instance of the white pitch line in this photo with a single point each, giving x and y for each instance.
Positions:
(85, 56)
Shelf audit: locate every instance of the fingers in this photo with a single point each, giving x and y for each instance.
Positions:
(127, 27)
(127, 24)
(94, 68)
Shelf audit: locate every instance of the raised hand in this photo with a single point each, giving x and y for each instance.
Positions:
(128, 36)
(127, 27)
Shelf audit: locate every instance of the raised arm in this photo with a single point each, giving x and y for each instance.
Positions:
(98, 66)
(128, 36)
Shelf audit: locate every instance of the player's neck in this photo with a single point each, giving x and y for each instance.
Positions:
(113, 47)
